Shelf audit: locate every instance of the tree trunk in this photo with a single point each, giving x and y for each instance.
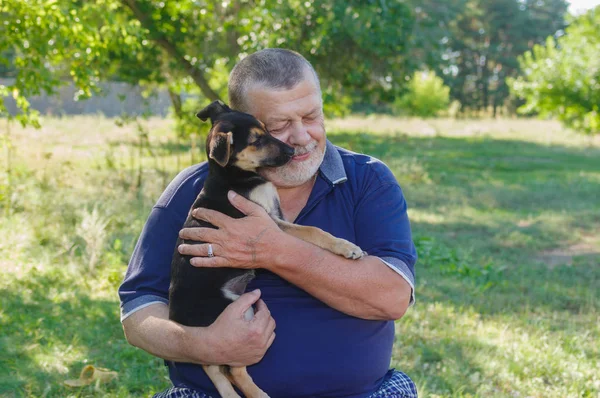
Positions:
(176, 102)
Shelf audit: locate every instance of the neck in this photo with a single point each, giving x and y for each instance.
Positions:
(299, 188)
(293, 199)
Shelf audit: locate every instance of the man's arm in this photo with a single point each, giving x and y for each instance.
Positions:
(365, 288)
(151, 330)
(230, 340)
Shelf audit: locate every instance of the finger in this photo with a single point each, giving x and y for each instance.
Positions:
(244, 205)
(262, 310)
(210, 262)
(271, 326)
(209, 235)
(262, 315)
(271, 339)
(214, 217)
(198, 250)
(245, 301)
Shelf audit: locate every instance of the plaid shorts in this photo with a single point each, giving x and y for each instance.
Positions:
(395, 385)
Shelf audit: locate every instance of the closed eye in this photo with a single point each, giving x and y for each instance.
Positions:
(278, 129)
(255, 139)
(311, 117)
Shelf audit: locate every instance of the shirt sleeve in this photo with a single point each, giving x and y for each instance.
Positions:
(148, 274)
(382, 227)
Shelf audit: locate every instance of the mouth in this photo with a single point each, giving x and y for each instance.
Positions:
(300, 158)
(304, 152)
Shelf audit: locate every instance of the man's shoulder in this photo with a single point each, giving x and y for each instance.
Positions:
(360, 166)
(184, 187)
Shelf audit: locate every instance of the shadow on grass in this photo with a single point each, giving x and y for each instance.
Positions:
(53, 323)
(486, 210)
(472, 153)
(52, 327)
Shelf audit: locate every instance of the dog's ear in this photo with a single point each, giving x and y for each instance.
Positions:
(213, 111)
(220, 147)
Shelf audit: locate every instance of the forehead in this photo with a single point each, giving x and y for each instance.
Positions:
(270, 104)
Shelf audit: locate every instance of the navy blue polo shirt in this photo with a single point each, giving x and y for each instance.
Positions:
(318, 351)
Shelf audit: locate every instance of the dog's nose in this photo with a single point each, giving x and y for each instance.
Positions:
(288, 150)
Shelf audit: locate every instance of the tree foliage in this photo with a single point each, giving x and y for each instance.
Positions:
(365, 51)
(484, 42)
(46, 44)
(562, 77)
(190, 45)
(426, 95)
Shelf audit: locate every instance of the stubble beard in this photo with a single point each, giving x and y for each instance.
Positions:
(296, 173)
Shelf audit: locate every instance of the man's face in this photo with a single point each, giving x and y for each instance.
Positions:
(295, 117)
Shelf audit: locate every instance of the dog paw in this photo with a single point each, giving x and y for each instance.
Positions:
(348, 250)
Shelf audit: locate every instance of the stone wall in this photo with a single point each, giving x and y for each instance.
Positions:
(108, 103)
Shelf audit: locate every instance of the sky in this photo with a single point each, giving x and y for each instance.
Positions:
(582, 5)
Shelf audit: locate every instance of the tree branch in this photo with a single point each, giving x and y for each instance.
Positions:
(172, 50)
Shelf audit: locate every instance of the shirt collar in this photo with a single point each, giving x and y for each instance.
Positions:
(332, 167)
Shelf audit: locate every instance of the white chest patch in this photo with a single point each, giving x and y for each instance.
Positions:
(266, 196)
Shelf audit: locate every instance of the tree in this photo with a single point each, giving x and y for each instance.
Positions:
(426, 95)
(484, 41)
(562, 77)
(357, 47)
(49, 43)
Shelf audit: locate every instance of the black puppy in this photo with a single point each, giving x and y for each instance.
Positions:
(237, 145)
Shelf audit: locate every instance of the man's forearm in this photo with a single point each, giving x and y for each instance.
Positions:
(365, 288)
(151, 330)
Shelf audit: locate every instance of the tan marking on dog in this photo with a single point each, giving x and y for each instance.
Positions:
(257, 131)
(266, 196)
(249, 158)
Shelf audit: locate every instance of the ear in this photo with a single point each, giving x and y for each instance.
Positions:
(220, 148)
(213, 111)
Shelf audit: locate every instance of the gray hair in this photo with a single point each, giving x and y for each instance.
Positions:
(275, 68)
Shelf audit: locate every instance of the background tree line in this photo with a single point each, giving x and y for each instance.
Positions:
(369, 54)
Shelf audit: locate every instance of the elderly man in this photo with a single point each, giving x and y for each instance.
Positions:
(334, 316)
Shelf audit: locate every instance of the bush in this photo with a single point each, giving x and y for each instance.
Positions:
(562, 78)
(426, 96)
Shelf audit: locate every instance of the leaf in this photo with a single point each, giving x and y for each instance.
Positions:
(90, 374)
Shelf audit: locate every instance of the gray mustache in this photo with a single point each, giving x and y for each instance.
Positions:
(305, 149)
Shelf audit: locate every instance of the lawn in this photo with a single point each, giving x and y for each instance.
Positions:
(505, 214)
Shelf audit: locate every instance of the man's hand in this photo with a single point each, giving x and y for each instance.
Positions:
(236, 341)
(245, 243)
(230, 340)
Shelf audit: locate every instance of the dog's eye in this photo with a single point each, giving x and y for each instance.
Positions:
(255, 140)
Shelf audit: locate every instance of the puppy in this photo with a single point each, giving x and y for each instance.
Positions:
(237, 145)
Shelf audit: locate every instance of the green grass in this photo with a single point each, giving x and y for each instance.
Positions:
(506, 218)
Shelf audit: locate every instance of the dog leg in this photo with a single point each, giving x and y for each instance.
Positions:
(220, 380)
(244, 382)
(322, 239)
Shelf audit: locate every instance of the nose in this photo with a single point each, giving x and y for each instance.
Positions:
(299, 135)
(288, 150)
